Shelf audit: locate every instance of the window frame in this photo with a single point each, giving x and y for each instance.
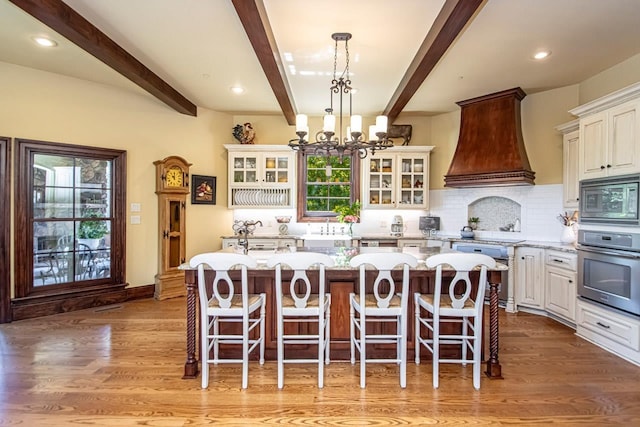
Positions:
(301, 180)
(23, 240)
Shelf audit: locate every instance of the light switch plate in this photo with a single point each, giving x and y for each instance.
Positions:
(135, 219)
(135, 207)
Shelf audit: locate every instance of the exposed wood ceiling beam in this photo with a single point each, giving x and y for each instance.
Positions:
(70, 24)
(256, 24)
(453, 17)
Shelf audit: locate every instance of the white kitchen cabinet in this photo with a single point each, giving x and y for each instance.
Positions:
(570, 172)
(261, 176)
(560, 284)
(610, 329)
(397, 177)
(265, 243)
(609, 134)
(529, 264)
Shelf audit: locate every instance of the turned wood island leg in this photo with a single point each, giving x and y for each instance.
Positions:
(191, 365)
(494, 370)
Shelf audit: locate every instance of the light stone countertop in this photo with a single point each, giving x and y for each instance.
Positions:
(559, 246)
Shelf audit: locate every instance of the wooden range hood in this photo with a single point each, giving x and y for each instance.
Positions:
(490, 150)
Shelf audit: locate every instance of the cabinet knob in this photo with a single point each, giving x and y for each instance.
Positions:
(608, 166)
(570, 281)
(601, 166)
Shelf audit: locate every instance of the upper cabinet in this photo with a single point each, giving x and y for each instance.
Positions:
(570, 147)
(397, 177)
(609, 134)
(261, 176)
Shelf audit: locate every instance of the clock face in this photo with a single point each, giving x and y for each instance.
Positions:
(174, 177)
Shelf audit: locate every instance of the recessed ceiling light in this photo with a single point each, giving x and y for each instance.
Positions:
(237, 90)
(45, 42)
(541, 54)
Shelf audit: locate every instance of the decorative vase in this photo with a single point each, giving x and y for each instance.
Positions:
(351, 229)
(568, 234)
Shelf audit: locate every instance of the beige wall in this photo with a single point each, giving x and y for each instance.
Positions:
(610, 80)
(50, 107)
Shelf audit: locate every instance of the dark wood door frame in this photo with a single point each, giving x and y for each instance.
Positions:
(5, 242)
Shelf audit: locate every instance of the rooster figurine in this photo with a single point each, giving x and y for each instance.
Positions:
(244, 134)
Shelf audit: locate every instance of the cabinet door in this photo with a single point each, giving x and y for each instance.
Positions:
(530, 278)
(412, 183)
(570, 187)
(276, 169)
(379, 181)
(623, 132)
(593, 147)
(244, 168)
(560, 292)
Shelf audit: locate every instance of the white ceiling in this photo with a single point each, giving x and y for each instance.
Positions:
(200, 48)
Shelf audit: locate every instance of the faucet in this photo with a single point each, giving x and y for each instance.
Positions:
(244, 230)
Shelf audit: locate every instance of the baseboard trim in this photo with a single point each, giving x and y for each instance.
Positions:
(31, 308)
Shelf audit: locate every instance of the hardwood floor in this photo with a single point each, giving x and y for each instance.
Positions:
(122, 366)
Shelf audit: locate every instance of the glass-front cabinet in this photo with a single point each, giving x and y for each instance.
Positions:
(397, 178)
(260, 175)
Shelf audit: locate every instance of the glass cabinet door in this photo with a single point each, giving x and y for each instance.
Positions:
(245, 169)
(412, 181)
(381, 181)
(276, 169)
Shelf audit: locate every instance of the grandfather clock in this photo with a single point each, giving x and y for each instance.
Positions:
(172, 188)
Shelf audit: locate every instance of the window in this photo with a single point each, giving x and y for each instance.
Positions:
(71, 216)
(324, 183)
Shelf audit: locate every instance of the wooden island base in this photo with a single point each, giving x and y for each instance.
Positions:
(341, 281)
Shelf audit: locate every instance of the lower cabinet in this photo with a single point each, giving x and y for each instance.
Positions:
(560, 284)
(610, 329)
(529, 264)
(260, 243)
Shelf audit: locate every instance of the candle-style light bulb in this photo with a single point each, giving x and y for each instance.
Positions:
(356, 123)
(301, 122)
(381, 124)
(372, 133)
(329, 123)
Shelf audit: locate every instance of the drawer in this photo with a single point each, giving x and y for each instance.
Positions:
(560, 259)
(613, 326)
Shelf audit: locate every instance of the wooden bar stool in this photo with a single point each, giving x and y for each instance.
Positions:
(458, 306)
(297, 304)
(219, 305)
(372, 313)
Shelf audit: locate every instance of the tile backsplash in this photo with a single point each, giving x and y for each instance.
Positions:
(536, 206)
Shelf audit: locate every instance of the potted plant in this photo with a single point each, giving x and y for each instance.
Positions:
(91, 231)
(473, 222)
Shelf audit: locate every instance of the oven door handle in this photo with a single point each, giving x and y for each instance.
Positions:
(600, 251)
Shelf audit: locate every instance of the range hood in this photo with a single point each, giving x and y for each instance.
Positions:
(490, 150)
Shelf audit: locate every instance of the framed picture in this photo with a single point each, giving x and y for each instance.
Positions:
(203, 190)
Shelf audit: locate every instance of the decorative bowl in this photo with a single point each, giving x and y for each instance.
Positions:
(283, 219)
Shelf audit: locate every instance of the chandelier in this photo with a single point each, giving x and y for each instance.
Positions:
(327, 142)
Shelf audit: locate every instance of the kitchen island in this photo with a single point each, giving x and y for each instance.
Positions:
(341, 280)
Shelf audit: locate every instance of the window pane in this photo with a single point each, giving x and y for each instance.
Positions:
(328, 182)
(68, 247)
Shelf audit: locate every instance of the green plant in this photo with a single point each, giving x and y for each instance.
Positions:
(474, 219)
(348, 213)
(92, 229)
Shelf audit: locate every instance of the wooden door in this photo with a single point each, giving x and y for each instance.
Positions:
(5, 246)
